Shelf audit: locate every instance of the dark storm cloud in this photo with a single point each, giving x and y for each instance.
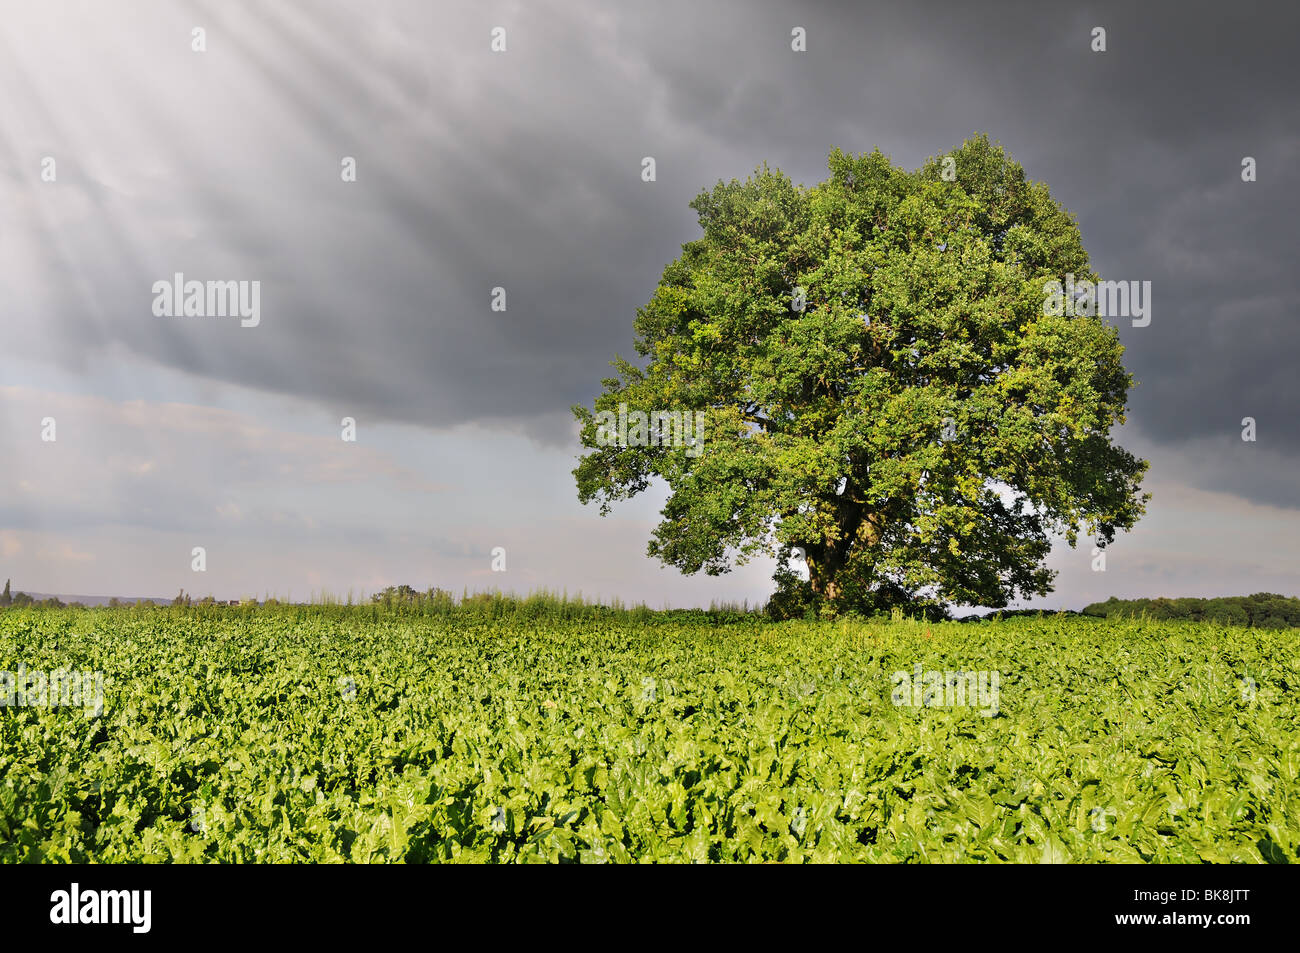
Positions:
(522, 170)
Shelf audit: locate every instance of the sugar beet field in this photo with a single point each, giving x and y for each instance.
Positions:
(323, 734)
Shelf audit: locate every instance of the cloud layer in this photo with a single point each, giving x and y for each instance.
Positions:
(521, 170)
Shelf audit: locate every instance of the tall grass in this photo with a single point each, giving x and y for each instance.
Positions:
(402, 602)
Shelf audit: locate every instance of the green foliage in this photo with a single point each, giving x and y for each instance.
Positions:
(794, 597)
(826, 426)
(328, 734)
(1265, 610)
(405, 595)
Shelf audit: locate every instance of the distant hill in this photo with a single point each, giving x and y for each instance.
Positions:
(1263, 610)
(94, 600)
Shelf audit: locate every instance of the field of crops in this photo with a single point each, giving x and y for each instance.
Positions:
(297, 734)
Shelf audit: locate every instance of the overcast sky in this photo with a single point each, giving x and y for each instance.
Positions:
(522, 169)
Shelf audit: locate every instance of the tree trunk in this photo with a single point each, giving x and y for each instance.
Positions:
(822, 574)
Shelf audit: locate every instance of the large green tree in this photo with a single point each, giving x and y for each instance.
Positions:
(882, 383)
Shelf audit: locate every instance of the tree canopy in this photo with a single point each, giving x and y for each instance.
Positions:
(1263, 610)
(881, 385)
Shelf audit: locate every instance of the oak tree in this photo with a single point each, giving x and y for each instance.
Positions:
(883, 387)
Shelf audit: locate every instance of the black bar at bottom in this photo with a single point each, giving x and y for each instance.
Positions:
(365, 903)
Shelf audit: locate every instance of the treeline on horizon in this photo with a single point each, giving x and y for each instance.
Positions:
(1262, 610)
(404, 600)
